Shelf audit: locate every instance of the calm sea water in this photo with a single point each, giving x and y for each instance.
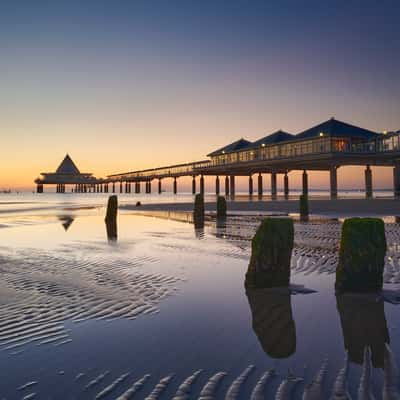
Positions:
(78, 312)
(31, 201)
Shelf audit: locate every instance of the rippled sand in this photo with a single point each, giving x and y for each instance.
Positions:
(162, 314)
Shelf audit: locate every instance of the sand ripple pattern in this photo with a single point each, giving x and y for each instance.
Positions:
(40, 290)
(279, 385)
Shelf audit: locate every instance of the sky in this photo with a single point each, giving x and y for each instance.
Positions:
(123, 85)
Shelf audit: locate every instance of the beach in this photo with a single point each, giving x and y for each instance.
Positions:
(326, 207)
(160, 310)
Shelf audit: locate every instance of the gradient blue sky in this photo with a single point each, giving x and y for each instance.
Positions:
(124, 85)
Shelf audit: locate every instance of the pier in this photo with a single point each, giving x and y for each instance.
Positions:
(324, 147)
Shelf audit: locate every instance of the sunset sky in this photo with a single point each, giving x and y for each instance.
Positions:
(125, 85)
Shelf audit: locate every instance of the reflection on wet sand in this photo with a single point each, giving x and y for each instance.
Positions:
(366, 339)
(273, 322)
(66, 221)
(364, 326)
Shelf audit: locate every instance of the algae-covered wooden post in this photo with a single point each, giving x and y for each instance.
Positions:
(111, 217)
(271, 251)
(304, 207)
(221, 207)
(361, 255)
(198, 212)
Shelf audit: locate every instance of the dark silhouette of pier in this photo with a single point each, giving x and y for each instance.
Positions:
(324, 147)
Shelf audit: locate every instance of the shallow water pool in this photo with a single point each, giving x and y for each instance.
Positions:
(84, 317)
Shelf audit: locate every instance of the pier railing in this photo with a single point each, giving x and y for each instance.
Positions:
(290, 150)
(162, 172)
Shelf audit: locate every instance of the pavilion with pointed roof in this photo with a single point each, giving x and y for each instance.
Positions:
(67, 173)
(326, 146)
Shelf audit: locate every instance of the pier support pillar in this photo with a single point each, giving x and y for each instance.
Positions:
(396, 179)
(120, 186)
(39, 188)
(260, 185)
(202, 184)
(333, 181)
(286, 185)
(250, 185)
(217, 185)
(149, 183)
(97, 188)
(126, 187)
(113, 187)
(232, 184)
(226, 186)
(193, 184)
(368, 182)
(274, 189)
(159, 186)
(175, 186)
(305, 183)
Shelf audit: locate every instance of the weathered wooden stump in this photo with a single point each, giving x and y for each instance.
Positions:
(221, 207)
(198, 211)
(304, 207)
(111, 217)
(361, 255)
(271, 251)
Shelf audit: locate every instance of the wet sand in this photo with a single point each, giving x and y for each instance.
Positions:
(338, 208)
(162, 312)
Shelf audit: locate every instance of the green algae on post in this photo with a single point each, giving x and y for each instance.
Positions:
(304, 207)
(198, 212)
(221, 207)
(361, 255)
(271, 251)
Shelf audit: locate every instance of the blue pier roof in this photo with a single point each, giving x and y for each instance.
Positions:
(276, 137)
(333, 127)
(235, 146)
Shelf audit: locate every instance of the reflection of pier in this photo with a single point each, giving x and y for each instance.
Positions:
(324, 147)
